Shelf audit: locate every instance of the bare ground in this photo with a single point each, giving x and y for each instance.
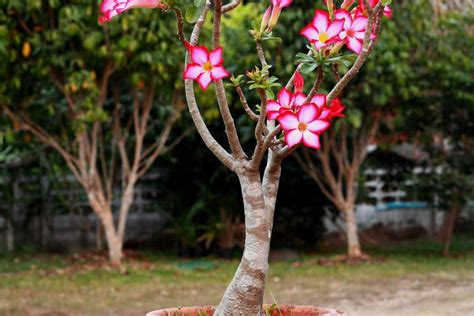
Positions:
(386, 288)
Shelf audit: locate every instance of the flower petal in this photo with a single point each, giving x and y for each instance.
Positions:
(273, 106)
(285, 3)
(288, 121)
(342, 14)
(219, 73)
(199, 54)
(360, 24)
(318, 126)
(335, 28)
(321, 20)
(319, 100)
(387, 11)
(325, 114)
(293, 138)
(298, 99)
(193, 71)
(307, 113)
(215, 57)
(284, 97)
(204, 80)
(310, 33)
(311, 140)
(354, 45)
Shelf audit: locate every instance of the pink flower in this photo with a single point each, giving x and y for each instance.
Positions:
(321, 31)
(285, 102)
(281, 3)
(353, 30)
(328, 112)
(206, 66)
(266, 19)
(387, 11)
(276, 7)
(111, 8)
(303, 127)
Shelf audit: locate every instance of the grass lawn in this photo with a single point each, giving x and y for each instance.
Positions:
(409, 279)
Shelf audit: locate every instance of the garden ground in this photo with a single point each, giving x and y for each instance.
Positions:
(406, 279)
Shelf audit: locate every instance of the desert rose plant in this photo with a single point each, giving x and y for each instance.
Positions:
(282, 122)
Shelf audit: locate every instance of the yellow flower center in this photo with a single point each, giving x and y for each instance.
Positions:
(302, 127)
(207, 66)
(323, 37)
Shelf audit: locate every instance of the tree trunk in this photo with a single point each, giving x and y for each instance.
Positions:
(126, 203)
(353, 244)
(9, 234)
(244, 295)
(448, 227)
(114, 242)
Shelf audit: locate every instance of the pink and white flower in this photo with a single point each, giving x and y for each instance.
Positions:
(303, 127)
(322, 31)
(206, 66)
(112, 8)
(286, 101)
(353, 30)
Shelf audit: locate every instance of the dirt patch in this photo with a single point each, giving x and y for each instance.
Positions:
(351, 261)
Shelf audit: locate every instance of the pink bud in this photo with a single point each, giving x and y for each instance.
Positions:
(266, 18)
(298, 82)
(274, 17)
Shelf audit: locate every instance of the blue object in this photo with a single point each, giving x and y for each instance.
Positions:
(402, 205)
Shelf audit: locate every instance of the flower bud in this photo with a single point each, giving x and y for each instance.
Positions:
(265, 19)
(298, 82)
(274, 17)
(336, 48)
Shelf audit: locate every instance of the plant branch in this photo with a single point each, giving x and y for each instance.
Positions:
(230, 129)
(316, 85)
(231, 6)
(245, 104)
(196, 115)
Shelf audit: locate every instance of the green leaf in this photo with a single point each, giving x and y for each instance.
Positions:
(308, 68)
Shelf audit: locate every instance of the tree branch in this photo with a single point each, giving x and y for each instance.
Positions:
(231, 6)
(230, 129)
(201, 127)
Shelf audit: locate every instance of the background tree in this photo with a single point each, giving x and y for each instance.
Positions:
(378, 101)
(102, 91)
(442, 121)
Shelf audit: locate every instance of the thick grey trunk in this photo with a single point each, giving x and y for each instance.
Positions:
(353, 244)
(271, 183)
(244, 295)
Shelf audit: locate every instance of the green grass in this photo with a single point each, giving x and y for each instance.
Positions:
(47, 284)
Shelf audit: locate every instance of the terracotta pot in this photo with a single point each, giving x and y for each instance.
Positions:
(283, 310)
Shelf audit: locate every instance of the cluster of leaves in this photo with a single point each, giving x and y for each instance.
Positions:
(57, 45)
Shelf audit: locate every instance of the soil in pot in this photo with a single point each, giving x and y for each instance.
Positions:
(270, 310)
